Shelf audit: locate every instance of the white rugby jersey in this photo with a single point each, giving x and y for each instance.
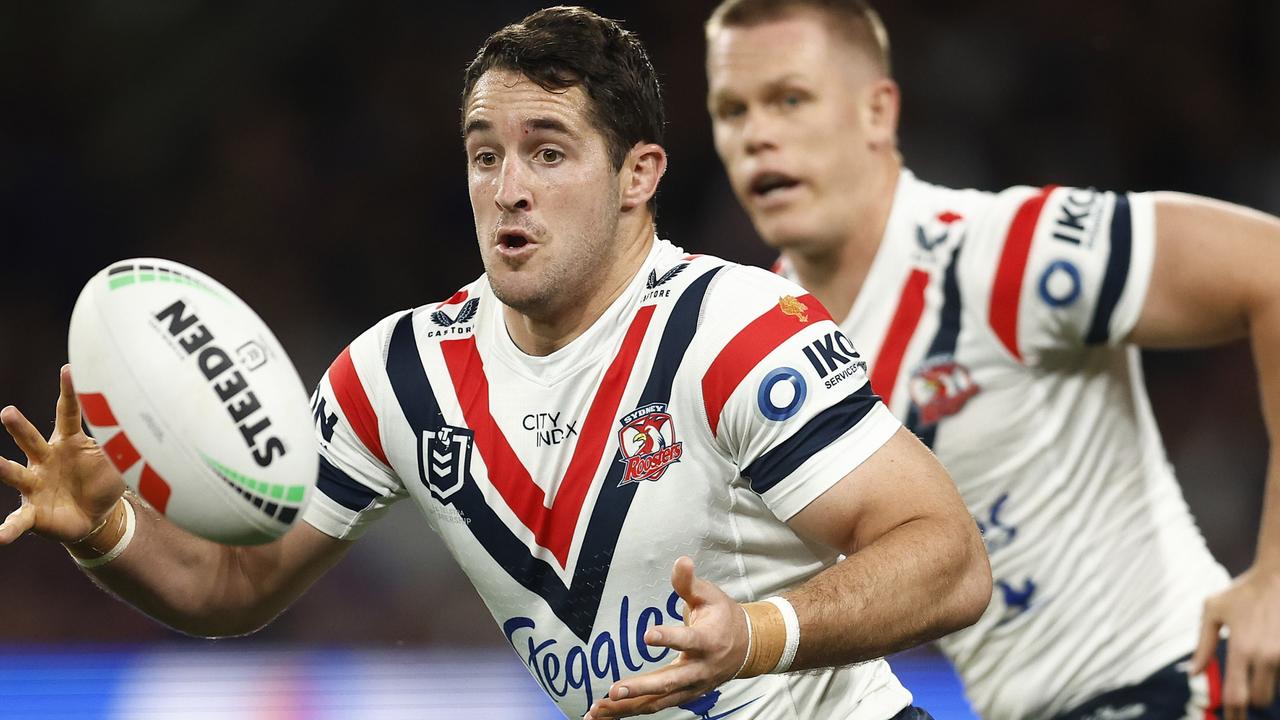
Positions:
(690, 419)
(994, 327)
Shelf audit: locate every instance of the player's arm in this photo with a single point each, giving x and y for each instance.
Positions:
(915, 570)
(72, 494)
(1214, 279)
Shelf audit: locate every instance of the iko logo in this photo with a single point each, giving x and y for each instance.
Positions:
(648, 443)
(444, 459)
(831, 353)
(466, 314)
(1075, 221)
(1060, 284)
(778, 408)
(560, 670)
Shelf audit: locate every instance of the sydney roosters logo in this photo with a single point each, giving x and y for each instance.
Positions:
(648, 443)
(941, 387)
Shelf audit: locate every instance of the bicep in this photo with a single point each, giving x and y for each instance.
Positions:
(900, 483)
(1214, 269)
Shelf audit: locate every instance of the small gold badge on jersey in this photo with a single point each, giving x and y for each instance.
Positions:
(790, 305)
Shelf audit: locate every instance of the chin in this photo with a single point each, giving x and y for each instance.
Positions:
(788, 233)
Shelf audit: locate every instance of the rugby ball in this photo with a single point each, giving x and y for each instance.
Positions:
(194, 400)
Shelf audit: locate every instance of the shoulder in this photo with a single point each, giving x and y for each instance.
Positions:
(425, 323)
(741, 294)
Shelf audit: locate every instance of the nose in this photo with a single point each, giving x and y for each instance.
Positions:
(513, 190)
(758, 133)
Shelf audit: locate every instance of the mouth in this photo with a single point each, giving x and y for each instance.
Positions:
(513, 240)
(766, 184)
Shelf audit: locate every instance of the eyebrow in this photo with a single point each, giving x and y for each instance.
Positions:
(538, 123)
(770, 85)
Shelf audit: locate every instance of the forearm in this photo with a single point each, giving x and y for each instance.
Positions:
(1264, 331)
(924, 579)
(197, 586)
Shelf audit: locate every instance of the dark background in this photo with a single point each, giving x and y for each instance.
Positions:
(308, 156)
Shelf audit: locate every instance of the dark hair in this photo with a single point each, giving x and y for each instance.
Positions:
(561, 47)
(854, 19)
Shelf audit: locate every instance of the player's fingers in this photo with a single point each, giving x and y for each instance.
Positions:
(606, 708)
(692, 589)
(28, 438)
(16, 476)
(1210, 628)
(1235, 684)
(68, 420)
(682, 582)
(668, 680)
(18, 522)
(676, 637)
(1262, 684)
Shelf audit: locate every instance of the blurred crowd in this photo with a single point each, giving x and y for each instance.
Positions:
(309, 157)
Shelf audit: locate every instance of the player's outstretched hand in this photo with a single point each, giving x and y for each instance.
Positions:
(1250, 609)
(69, 488)
(712, 645)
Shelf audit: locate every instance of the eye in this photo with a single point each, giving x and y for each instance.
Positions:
(729, 111)
(791, 100)
(549, 155)
(486, 158)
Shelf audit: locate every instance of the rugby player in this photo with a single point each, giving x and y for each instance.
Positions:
(694, 433)
(1003, 329)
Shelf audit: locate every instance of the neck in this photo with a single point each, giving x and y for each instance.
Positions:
(834, 272)
(542, 333)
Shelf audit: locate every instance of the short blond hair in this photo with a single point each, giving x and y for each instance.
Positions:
(856, 20)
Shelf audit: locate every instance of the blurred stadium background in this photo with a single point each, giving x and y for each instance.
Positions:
(309, 157)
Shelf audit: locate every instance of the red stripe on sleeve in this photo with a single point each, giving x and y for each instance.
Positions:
(1006, 290)
(884, 375)
(355, 403)
(1213, 673)
(759, 338)
(552, 527)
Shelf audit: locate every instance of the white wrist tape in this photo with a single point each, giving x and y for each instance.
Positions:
(792, 623)
(130, 524)
(745, 658)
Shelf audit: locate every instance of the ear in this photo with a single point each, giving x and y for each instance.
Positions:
(640, 173)
(880, 113)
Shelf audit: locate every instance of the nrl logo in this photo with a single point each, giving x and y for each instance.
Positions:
(466, 314)
(648, 443)
(789, 305)
(654, 281)
(444, 459)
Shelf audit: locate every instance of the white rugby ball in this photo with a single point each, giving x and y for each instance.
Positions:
(194, 400)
